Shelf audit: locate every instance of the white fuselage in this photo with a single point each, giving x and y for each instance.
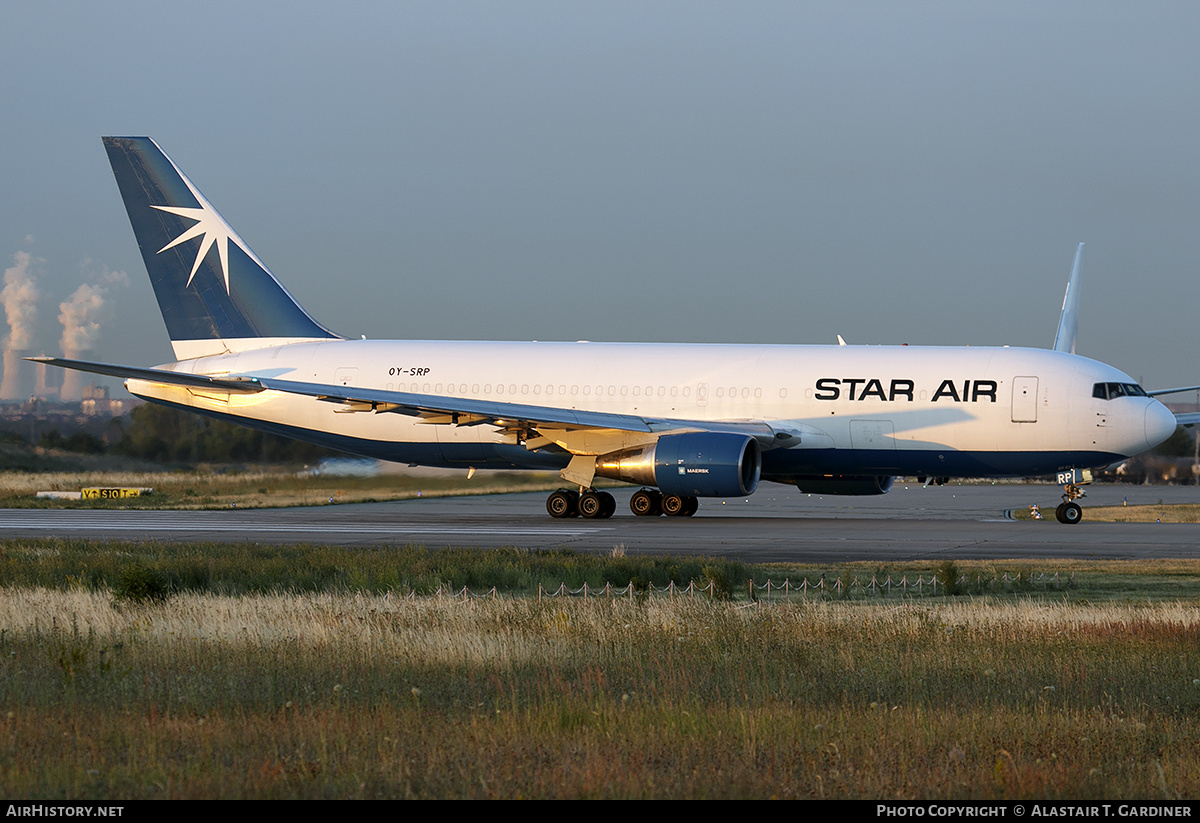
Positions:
(853, 409)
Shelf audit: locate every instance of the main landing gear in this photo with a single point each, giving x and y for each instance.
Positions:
(590, 503)
(1069, 511)
(596, 505)
(652, 503)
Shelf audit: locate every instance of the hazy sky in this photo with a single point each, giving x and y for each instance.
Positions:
(754, 172)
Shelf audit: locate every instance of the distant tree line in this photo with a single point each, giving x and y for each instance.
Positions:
(81, 442)
(166, 434)
(161, 433)
(1181, 444)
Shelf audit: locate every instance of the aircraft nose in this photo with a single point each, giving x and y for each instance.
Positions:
(1160, 424)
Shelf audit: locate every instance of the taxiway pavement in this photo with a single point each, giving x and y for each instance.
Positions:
(775, 524)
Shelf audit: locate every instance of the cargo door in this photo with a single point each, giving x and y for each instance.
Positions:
(460, 444)
(877, 437)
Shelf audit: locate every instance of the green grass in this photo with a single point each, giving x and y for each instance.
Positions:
(253, 568)
(260, 568)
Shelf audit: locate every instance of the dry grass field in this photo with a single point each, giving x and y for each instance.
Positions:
(367, 694)
(1143, 513)
(202, 489)
(1176, 513)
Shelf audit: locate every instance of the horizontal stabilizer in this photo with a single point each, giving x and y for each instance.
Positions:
(172, 378)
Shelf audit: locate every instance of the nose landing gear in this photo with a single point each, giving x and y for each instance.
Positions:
(1069, 511)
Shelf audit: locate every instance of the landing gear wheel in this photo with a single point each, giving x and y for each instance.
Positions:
(562, 503)
(597, 505)
(674, 506)
(1069, 513)
(590, 505)
(646, 503)
(691, 507)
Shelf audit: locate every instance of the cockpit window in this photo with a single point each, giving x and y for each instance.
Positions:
(1110, 391)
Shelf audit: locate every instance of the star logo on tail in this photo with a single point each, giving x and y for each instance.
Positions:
(213, 230)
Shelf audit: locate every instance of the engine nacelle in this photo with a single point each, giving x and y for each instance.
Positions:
(697, 464)
(838, 484)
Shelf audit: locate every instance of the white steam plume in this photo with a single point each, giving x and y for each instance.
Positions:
(81, 316)
(19, 298)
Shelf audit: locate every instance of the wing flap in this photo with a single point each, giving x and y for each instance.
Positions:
(450, 410)
(525, 421)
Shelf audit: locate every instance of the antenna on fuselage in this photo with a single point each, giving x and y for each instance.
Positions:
(1068, 322)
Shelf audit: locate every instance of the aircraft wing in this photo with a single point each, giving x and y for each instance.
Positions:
(1184, 418)
(1158, 392)
(436, 409)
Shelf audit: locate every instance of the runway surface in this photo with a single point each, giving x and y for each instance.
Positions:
(775, 524)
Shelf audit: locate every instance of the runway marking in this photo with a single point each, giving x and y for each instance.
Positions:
(170, 522)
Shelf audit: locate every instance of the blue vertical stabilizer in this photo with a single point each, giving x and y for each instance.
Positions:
(214, 292)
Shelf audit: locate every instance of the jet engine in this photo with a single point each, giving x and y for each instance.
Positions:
(696, 464)
(838, 484)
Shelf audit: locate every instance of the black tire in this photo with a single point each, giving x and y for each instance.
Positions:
(590, 505)
(644, 504)
(610, 504)
(561, 504)
(673, 505)
(691, 507)
(1072, 513)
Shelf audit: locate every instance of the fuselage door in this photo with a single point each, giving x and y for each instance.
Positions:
(460, 444)
(878, 438)
(1024, 400)
(875, 435)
